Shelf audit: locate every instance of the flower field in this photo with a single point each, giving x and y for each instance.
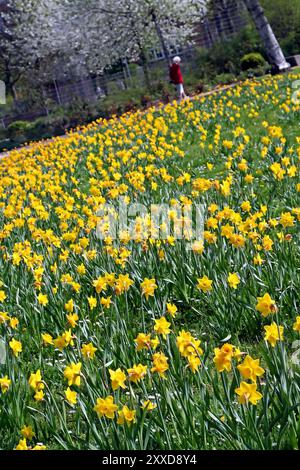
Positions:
(149, 342)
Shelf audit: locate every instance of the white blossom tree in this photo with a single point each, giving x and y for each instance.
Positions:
(31, 40)
(112, 29)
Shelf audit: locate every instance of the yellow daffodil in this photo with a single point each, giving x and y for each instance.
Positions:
(233, 280)
(106, 407)
(248, 393)
(5, 383)
(71, 396)
(266, 305)
(137, 373)
(126, 415)
(273, 334)
(250, 368)
(72, 373)
(16, 346)
(205, 284)
(88, 350)
(148, 287)
(296, 325)
(118, 378)
(162, 326)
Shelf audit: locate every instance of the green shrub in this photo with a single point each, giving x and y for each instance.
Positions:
(224, 79)
(17, 132)
(225, 56)
(291, 43)
(40, 129)
(252, 61)
(257, 72)
(58, 121)
(121, 101)
(17, 128)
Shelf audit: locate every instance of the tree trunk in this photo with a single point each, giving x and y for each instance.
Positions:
(144, 61)
(161, 38)
(226, 11)
(143, 56)
(208, 36)
(218, 23)
(272, 47)
(10, 84)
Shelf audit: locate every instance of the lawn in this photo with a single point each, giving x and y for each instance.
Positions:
(156, 339)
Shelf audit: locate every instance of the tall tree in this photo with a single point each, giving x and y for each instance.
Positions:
(31, 40)
(272, 47)
(174, 21)
(129, 28)
(269, 40)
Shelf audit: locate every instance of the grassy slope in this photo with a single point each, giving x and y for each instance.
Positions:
(195, 162)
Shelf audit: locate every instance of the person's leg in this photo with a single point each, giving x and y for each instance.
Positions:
(184, 96)
(179, 91)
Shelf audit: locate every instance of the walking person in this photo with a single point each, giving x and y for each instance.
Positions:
(176, 77)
